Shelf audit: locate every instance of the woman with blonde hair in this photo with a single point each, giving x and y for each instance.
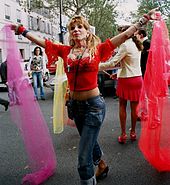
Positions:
(81, 60)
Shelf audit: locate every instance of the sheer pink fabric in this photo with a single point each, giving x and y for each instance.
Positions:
(27, 115)
(154, 104)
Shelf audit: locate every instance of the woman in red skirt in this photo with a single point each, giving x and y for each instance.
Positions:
(129, 81)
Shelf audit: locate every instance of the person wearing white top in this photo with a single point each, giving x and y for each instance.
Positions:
(129, 81)
(37, 67)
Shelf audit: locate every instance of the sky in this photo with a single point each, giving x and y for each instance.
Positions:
(124, 8)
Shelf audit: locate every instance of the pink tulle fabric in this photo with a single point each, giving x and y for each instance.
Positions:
(27, 115)
(154, 104)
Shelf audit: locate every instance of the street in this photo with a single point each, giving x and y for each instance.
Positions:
(126, 162)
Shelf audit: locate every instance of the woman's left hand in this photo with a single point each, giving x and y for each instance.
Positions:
(153, 14)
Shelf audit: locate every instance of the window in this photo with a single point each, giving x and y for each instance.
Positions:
(35, 26)
(49, 28)
(46, 28)
(18, 16)
(22, 53)
(30, 22)
(7, 12)
(42, 27)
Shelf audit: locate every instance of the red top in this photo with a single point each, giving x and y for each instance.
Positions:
(86, 78)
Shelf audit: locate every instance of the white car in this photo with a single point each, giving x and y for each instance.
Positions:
(57, 80)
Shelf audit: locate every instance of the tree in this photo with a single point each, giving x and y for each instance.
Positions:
(146, 5)
(100, 13)
(165, 10)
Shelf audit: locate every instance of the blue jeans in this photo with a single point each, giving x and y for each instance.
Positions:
(38, 79)
(89, 116)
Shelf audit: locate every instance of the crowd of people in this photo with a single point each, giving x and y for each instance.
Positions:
(83, 58)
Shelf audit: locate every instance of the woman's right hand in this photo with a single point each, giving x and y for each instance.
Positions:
(14, 27)
(20, 29)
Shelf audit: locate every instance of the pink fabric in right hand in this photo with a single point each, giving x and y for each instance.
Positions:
(27, 115)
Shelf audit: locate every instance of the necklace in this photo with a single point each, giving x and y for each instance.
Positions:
(80, 53)
(78, 57)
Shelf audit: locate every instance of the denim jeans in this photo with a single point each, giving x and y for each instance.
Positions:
(38, 80)
(88, 117)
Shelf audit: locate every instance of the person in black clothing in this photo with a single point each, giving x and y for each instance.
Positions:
(142, 36)
(5, 103)
(3, 74)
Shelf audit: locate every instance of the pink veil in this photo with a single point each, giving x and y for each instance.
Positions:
(27, 115)
(154, 104)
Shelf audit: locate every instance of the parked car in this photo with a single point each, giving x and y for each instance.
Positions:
(52, 68)
(107, 86)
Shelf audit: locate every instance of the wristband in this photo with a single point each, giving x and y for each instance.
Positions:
(146, 16)
(25, 32)
(143, 21)
(20, 29)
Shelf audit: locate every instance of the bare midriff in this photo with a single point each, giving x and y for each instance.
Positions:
(85, 95)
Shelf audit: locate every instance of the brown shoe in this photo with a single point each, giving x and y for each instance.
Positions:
(102, 170)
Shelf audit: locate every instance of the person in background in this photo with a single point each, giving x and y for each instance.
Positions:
(3, 74)
(129, 83)
(81, 60)
(142, 36)
(5, 103)
(114, 72)
(37, 67)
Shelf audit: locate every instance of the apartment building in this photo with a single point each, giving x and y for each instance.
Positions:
(17, 12)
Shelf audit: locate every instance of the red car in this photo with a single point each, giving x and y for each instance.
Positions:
(52, 68)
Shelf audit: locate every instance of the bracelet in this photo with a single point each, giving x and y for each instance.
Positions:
(146, 16)
(143, 21)
(25, 32)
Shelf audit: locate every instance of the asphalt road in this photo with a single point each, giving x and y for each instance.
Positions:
(126, 162)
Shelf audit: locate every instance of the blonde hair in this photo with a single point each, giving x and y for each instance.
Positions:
(91, 41)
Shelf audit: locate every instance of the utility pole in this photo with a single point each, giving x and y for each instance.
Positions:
(61, 38)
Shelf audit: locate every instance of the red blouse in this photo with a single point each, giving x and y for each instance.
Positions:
(86, 78)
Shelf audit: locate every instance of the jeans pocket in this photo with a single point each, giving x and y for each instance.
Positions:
(96, 112)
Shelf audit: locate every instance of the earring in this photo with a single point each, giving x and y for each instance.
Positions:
(87, 35)
(72, 42)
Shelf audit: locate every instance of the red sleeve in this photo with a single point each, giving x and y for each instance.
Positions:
(106, 50)
(53, 51)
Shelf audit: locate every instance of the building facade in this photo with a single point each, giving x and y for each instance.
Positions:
(39, 22)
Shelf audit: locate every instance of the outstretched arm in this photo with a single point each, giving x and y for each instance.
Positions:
(34, 38)
(122, 37)
(114, 62)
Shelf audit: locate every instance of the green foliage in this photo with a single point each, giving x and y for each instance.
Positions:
(146, 5)
(102, 16)
(35, 4)
(100, 13)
